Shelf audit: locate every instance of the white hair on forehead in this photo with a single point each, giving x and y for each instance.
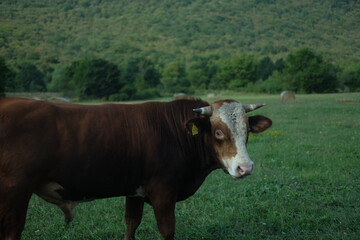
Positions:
(233, 115)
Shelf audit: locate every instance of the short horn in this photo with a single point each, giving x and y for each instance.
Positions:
(206, 111)
(252, 107)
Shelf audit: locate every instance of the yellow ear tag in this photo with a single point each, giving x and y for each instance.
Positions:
(194, 130)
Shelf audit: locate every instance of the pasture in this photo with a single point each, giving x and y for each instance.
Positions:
(306, 184)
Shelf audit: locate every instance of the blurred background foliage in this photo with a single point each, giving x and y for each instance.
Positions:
(124, 50)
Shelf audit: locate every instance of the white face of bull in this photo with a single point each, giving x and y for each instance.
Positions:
(230, 128)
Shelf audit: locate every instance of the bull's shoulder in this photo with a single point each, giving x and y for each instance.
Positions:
(20, 117)
(15, 106)
(6, 102)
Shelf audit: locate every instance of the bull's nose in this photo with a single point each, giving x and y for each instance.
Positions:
(245, 170)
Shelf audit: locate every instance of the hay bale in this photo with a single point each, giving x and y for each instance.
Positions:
(211, 95)
(287, 96)
(183, 96)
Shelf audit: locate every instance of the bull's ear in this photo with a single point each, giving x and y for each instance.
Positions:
(259, 123)
(197, 126)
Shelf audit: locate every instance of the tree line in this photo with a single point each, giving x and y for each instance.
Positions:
(302, 71)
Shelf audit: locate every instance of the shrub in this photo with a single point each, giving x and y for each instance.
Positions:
(147, 94)
(307, 72)
(5, 76)
(350, 78)
(118, 97)
(94, 78)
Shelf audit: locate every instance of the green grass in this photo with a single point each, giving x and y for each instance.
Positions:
(306, 184)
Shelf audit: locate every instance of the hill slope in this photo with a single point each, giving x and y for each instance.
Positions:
(48, 32)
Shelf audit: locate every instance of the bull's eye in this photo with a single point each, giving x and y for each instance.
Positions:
(219, 134)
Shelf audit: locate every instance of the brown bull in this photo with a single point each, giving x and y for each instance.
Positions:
(156, 152)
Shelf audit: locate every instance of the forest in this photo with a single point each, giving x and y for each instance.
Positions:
(122, 50)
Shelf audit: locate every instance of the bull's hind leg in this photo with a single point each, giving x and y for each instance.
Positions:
(12, 215)
(133, 214)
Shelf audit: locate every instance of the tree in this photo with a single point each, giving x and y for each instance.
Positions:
(279, 65)
(142, 73)
(307, 72)
(56, 84)
(95, 78)
(173, 77)
(201, 72)
(5, 76)
(140, 79)
(265, 68)
(237, 72)
(197, 78)
(29, 79)
(350, 78)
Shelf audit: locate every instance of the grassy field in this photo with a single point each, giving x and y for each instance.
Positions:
(306, 184)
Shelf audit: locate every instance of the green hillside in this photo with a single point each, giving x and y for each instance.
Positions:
(59, 31)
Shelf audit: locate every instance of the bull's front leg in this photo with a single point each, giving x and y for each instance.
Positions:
(164, 209)
(133, 214)
(13, 210)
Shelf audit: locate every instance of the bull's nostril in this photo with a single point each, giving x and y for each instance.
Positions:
(240, 170)
(244, 170)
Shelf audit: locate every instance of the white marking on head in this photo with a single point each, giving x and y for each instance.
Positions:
(232, 151)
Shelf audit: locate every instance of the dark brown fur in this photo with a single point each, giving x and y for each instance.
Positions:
(99, 152)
